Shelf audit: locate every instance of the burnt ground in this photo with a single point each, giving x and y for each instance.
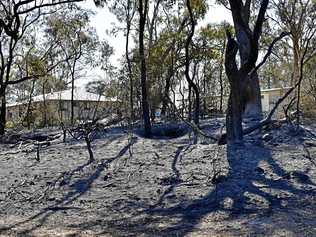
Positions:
(162, 187)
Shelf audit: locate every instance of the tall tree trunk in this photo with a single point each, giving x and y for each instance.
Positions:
(143, 8)
(190, 104)
(72, 102)
(296, 60)
(251, 95)
(44, 106)
(221, 67)
(204, 92)
(252, 98)
(29, 104)
(165, 95)
(2, 113)
(166, 91)
(234, 106)
(251, 87)
(234, 115)
(183, 104)
(187, 65)
(129, 65)
(244, 83)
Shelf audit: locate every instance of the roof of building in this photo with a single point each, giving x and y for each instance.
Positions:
(80, 94)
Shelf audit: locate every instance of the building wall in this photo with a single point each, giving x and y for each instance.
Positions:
(268, 100)
(55, 112)
(271, 97)
(265, 98)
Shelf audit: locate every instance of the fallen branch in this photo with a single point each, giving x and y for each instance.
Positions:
(28, 145)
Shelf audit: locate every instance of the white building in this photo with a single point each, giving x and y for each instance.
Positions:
(52, 108)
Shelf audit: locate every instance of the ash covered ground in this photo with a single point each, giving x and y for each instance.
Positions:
(163, 186)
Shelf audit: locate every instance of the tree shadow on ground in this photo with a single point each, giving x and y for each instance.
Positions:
(174, 180)
(78, 188)
(247, 190)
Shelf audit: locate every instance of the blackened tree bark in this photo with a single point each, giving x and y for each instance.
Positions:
(221, 78)
(234, 108)
(29, 106)
(204, 91)
(170, 73)
(190, 103)
(187, 66)
(2, 113)
(244, 84)
(251, 95)
(143, 10)
(129, 17)
(45, 121)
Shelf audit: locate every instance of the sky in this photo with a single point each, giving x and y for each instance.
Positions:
(103, 20)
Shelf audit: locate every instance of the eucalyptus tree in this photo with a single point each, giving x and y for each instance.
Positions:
(142, 14)
(311, 78)
(210, 45)
(195, 10)
(16, 19)
(77, 43)
(125, 11)
(246, 27)
(244, 95)
(299, 18)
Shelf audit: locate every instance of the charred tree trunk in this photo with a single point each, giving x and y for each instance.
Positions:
(251, 96)
(234, 108)
(204, 93)
(167, 90)
(190, 103)
(296, 60)
(44, 106)
(187, 66)
(143, 9)
(2, 113)
(129, 17)
(244, 84)
(29, 110)
(72, 103)
(221, 78)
